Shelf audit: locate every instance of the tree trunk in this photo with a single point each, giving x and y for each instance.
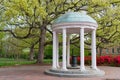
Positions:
(100, 51)
(41, 44)
(31, 56)
(1, 49)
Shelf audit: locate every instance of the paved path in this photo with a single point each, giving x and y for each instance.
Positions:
(36, 72)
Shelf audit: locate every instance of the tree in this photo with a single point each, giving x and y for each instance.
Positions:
(38, 14)
(32, 14)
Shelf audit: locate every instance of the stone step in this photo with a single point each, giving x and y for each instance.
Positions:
(77, 73)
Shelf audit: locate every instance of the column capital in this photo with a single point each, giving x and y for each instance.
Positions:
(64, 28)
(82, 28)
(94, 29)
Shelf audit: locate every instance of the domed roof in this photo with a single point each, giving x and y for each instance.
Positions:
(74, 17)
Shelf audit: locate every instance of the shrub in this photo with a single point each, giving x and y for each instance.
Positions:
(87, 59)
(101, 60)
(117, 60)
(104, 60)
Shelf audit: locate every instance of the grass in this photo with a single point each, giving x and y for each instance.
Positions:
(14, 62)
(48, 61)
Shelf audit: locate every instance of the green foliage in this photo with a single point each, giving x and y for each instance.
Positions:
(76, 51)
(48, 52)
(28, 16)
(24, 56)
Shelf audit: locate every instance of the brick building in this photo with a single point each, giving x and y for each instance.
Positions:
(110, 50)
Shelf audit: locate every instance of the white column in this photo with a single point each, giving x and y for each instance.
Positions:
(93, 45)
(68, 50)
(64, 50)
(57, 51)
(82, 66)
(54, 66)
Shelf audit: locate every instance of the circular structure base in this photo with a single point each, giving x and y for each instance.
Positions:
(89, 72)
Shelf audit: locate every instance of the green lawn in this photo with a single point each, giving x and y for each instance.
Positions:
(48, 61)
(13, 62)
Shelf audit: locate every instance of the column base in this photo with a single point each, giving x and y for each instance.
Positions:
(75, 72)
(64, 69)
(95, 68)
(54, 68)
(58, 66)
(82, 68)
(68, 65)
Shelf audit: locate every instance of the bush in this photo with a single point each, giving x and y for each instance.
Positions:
(104, 60)
(101, 60)
(117, 60)
(87, 59)
(108, 60)
(24, 55)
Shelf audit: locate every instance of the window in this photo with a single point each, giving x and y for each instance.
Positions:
(100, 50)
(107, 51)
(118, 50)
(113, 50)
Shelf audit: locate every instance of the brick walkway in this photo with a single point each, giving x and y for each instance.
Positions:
(36, 72)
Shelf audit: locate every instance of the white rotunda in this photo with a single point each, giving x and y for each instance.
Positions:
(74, 23)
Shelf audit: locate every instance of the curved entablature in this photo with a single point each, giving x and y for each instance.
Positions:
(75, 25)
(72, 20)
